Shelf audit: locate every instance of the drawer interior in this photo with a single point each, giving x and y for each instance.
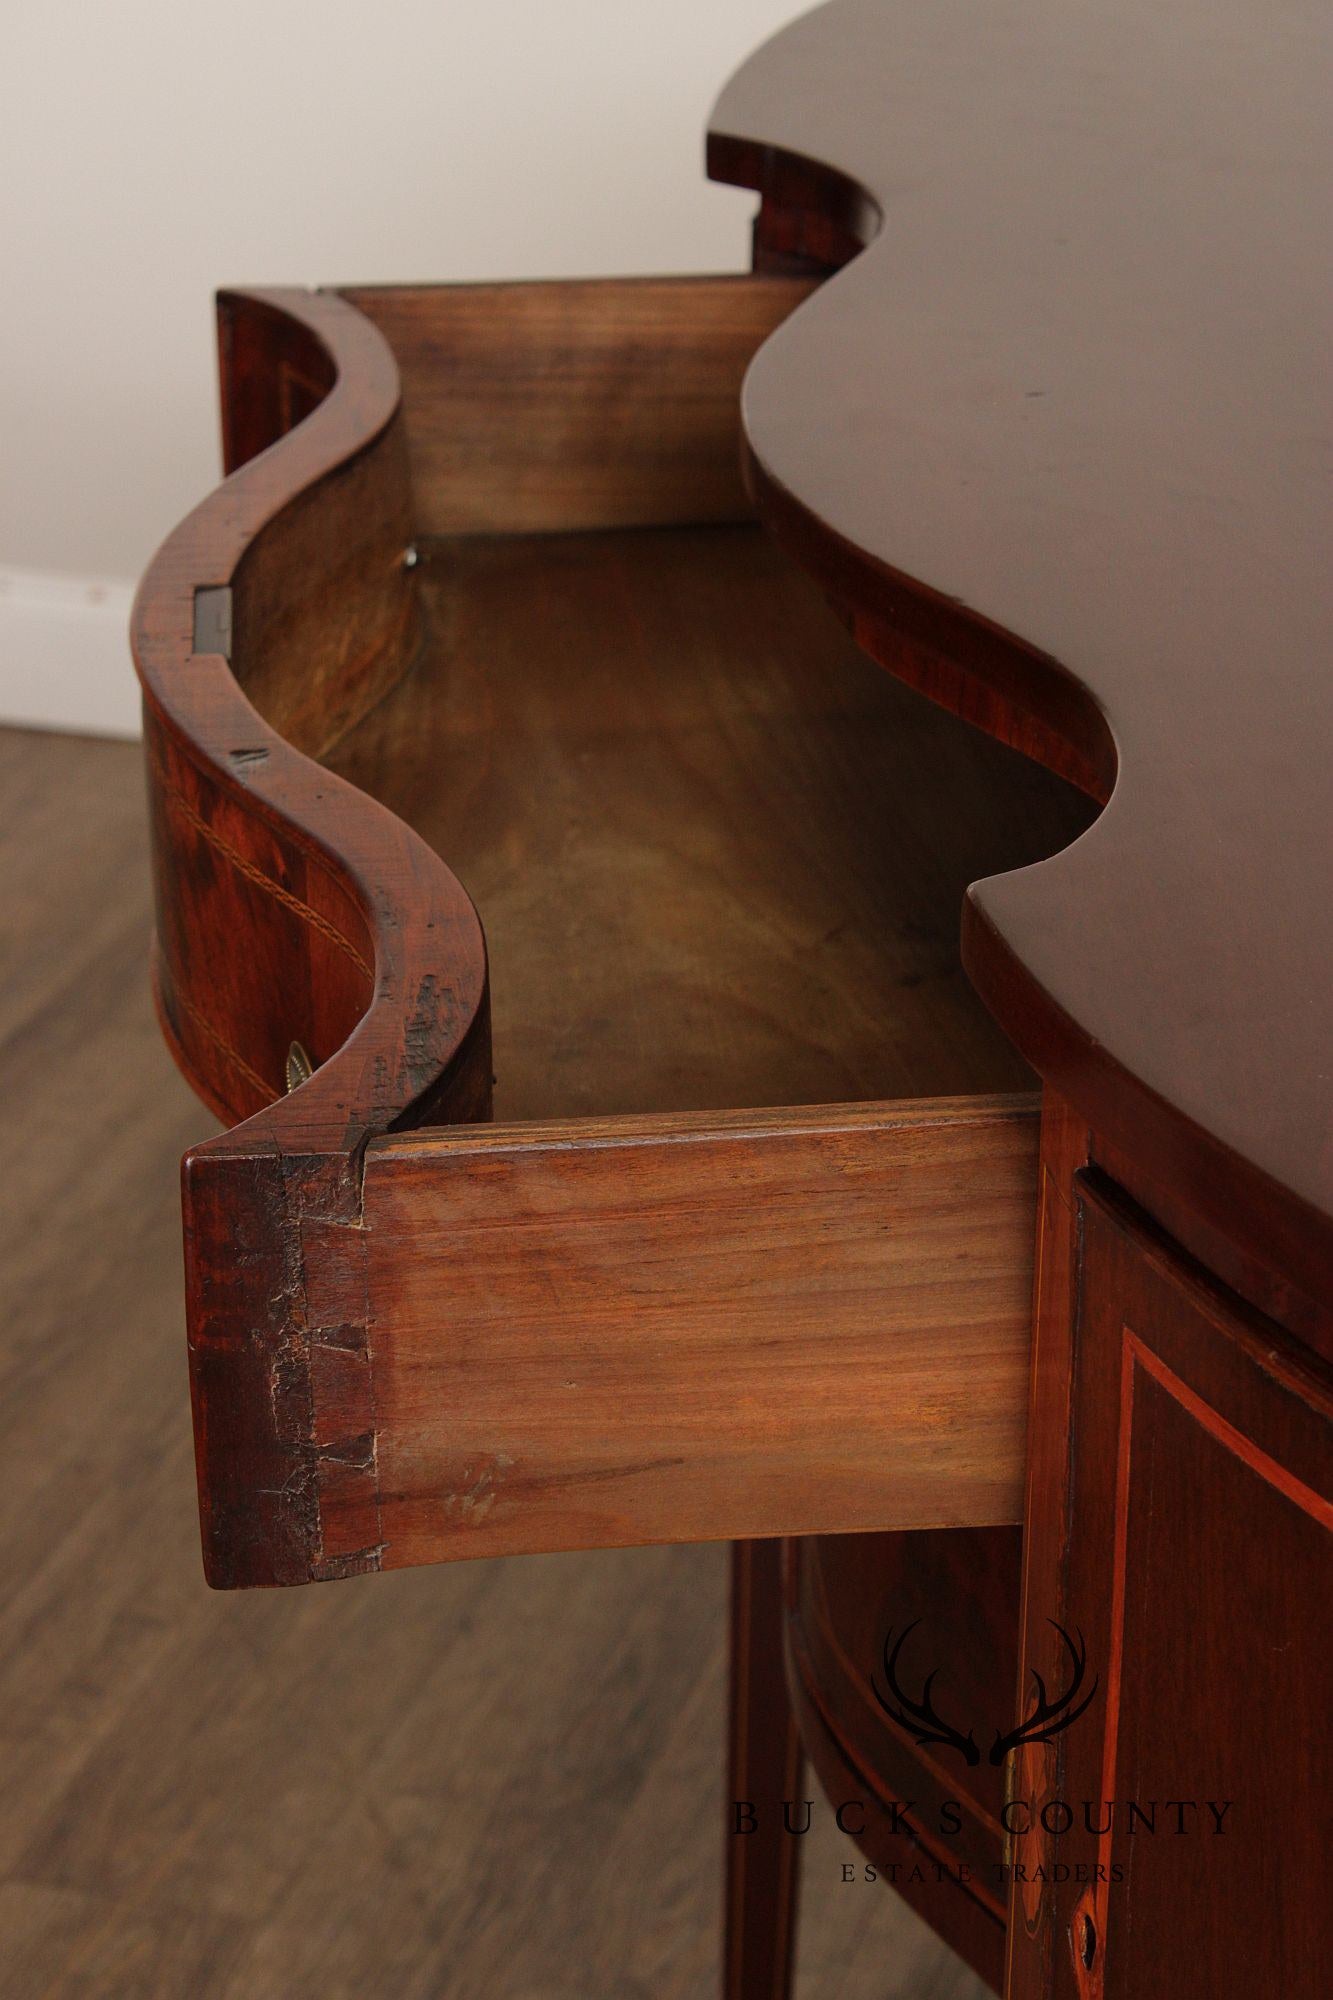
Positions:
(719, 854)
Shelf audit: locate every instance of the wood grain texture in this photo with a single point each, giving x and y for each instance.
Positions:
(292, 909)
(687, 1328)
(289, 906)
(1035, 1770)
(314, 1795)
(1051, 445)
(323, 604)
(720, 854)
(1196, 1564)
(765, 1766)
(281, 892)
(1092, 529)
(728, 680)
(603, 403)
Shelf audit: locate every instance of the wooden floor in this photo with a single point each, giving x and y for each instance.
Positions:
(496, 1779)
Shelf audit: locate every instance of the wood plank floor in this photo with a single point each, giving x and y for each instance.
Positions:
(495, 1779)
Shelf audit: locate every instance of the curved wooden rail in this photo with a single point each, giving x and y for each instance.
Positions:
(291, 907)
(1048, 442)
(358, 942)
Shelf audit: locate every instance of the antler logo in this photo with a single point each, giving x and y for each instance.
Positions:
(1045, 1719)
(919, 1717)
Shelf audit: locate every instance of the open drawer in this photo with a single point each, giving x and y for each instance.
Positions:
(481, 602)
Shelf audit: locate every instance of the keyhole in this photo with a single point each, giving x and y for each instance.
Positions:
(1086, 1933)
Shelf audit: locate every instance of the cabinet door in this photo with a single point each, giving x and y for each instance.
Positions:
(1171, 1830)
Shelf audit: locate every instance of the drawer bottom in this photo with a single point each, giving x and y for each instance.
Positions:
(719, 857)
(718, 853)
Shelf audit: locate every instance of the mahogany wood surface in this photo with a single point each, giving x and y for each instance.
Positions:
(282, 894)
(1051, 493)
(323, 616)
(289, 906)
(1193, 1557)
(1053, 440)
(1036, 1767)
(765, 1767)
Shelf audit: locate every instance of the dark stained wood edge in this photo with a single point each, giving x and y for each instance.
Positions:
(1034, 1769)
(1256, 1280)
(324, 864)
(420, 930)
(1256, 1235)
(987, 676)
(762, 1867)
(813, 216)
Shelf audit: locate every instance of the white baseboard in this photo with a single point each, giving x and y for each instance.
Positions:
(65, 654)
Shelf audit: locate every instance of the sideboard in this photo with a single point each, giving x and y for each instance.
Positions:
(871, 1101)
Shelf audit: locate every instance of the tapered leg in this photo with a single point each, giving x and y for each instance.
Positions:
(764, 1768)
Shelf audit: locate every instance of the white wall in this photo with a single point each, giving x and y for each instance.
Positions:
(152, 150)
